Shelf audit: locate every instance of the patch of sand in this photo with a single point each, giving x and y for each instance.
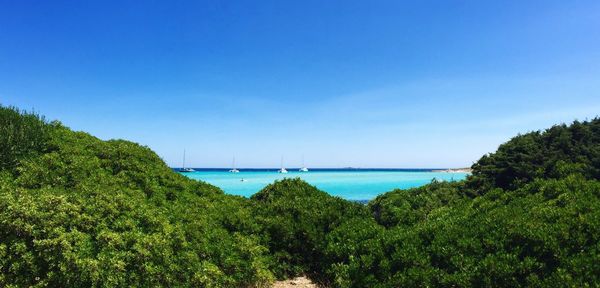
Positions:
(298, 282)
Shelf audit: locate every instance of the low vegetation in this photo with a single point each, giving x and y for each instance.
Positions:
(76, 211)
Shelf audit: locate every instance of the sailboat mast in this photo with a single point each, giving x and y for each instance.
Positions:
(183, 159)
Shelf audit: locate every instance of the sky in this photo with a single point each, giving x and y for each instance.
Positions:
(405, 84)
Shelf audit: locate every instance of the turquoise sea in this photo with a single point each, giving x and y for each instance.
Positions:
(351, 184)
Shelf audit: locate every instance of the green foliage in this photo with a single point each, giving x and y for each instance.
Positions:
(355, 254)
(543, 234)
(407, 207)
(528, 216)
(295, 218)
(540, 155)
(22, 135)
(79, 212)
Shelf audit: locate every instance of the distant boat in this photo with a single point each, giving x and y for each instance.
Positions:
(183, 169)
(282, 170)
(303, 169)
(233, 170)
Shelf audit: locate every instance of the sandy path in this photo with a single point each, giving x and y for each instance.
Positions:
(299, 282)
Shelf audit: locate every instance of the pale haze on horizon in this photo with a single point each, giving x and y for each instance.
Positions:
(344, 83)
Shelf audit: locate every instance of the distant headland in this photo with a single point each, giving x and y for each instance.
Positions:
(454, 170)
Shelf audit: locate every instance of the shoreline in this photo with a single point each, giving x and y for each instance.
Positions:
(345, 169)
(454, 170)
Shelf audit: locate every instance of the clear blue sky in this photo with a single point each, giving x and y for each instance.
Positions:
(346, 83)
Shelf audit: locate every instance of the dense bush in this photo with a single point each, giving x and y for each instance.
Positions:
(79, 212)
(407, 207)
(22, 135)
(549, 154)
(82, 212)
(544, 234)
(536, 223)
(295, 218)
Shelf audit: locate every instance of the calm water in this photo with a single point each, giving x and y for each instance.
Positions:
(349, 184)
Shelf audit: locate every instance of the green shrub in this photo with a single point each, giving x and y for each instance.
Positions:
(540, 155)
(22, 135)
(79, 212)
(76, 211)
(295, 218)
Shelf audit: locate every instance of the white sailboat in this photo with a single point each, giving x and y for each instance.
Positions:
(233, 170)
(282, 170)
(183, 169)
(303, 169)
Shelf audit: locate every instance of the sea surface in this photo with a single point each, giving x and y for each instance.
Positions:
(351, 184)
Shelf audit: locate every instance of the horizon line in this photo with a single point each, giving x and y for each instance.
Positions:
(348, 167)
